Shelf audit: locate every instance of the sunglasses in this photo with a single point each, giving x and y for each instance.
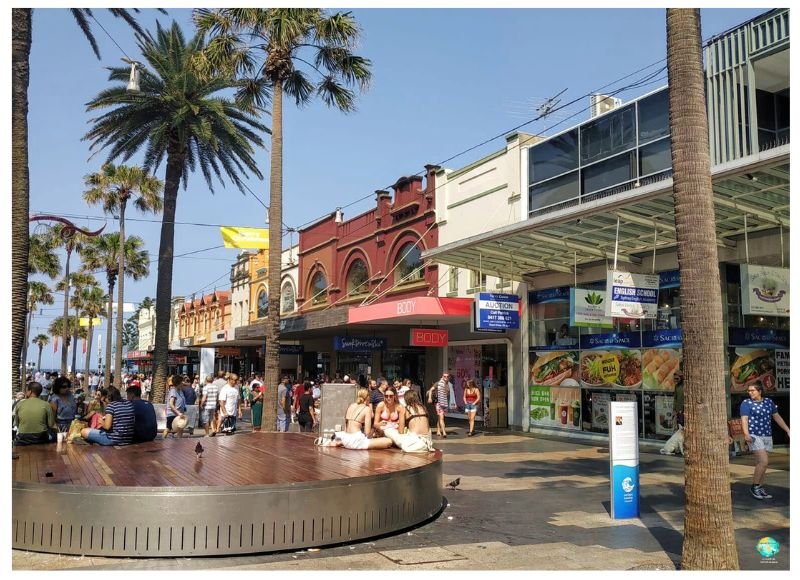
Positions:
(388, 396)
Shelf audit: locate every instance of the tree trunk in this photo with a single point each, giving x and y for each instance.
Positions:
(75, 343)
(709, 542)
(269, 412)
(88, 351)
(27, 337)
(20, 185)
(39, 360)
(109, 313)
(65, 329)
(175, 160)
(120, 296)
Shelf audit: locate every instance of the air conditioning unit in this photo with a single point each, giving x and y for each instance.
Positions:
(603, 103)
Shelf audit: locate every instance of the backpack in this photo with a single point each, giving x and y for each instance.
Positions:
(434, 394)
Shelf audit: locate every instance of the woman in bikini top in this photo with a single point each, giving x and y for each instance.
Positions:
(358, 416)
(416, 415)
(389, 412)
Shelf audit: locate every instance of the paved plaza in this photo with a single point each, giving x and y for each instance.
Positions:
(523, 502)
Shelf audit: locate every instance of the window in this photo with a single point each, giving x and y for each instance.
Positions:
(319, 289)
(608, 173)
(409, 264)
(554, 191)
(453, 279)
(262, 305)
(553, 157)
(287, 298)
(654, 117)
(655, 157)
(357, 277)
(608, 135)
(477, 281)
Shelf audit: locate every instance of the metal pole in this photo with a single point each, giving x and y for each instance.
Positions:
(655, 241)
(781, 245)
(616, 245)
(746, 246)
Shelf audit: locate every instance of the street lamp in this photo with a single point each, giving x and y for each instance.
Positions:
(133, 81)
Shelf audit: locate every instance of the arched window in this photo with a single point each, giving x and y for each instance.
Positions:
(319, 286)
(409, 259)
(287, 298)
(357, 277)
(261, 305)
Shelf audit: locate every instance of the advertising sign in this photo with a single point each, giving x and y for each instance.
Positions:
(749, 365)
(541, 413)
(616, 369)
(292, 349)
(765, 290)
(494, 311)
(549, 295)
(782, 369)
(89, 322)
(632, 295)
(428, 337)
(665, 405)
(558, 407)
(600, 402)
(245, 238)
(624, 460)
(587, 308)
(554, 368)
(759, 337)
(358, 343)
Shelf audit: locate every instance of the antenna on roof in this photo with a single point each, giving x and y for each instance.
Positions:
(549, 105)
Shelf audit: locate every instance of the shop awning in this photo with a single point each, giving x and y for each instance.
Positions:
(583, 231)
(410, 311)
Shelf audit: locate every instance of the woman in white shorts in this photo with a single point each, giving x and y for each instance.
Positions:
(417, 439)
(357, 422)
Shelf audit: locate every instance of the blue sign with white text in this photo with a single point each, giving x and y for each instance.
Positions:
(550, 295)
(622, 340)
(625, 486)
(669, 279)
(671, 338)
(758, 337)
(495, 311)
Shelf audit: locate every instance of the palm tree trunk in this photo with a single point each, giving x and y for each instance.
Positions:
(87, 366)
(75, 343)
(39, 360)
(120, 296)
(27, 337)
(175, 160)
(65, 326)
(709, 542)
(109, 314)
(20, 185)
(269, 412)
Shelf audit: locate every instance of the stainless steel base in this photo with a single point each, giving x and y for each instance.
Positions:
(213, 521)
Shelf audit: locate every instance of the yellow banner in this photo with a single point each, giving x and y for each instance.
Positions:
(245, 238)
(87, 321)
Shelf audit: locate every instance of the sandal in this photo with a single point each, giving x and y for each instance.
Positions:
(318, 441)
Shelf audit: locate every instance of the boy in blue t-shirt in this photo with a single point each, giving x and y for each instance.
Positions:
(757, 415)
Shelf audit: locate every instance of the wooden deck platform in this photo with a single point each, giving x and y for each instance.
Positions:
(250, 492)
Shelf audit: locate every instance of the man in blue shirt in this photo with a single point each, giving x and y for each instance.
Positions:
(144, 416)
(757, 415)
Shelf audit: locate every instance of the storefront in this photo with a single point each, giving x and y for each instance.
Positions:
(485, 362)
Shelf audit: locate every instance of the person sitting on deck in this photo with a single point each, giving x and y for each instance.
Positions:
(144, 416)
(117, 424)
(418, 437)
(33, 417)
(358, 422)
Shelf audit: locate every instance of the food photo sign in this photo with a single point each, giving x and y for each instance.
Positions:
(611, 361)
(555, 396)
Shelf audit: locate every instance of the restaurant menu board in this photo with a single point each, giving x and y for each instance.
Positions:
(554, 368)
(782, 369)
(665, 405)
(749, 365)
(555, 407)
(661, 368)
(600, 403)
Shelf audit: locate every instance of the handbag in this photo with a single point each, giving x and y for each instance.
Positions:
(229, 424)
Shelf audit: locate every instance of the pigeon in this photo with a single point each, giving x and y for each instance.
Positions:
(454, 484)
(198, 449)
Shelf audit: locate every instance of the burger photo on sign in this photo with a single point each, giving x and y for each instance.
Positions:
(751, 365)
(552, 368)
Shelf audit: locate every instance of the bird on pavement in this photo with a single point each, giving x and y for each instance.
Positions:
(454, 484)
(198, 449)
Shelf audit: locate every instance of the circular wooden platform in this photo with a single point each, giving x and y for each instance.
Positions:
(250, 493)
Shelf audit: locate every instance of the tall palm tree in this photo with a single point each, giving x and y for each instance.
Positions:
(112, 187)
(58, 327)
(41, 341)
(305, 53)
(102, 253)
(42, 258)
(91, 302)
(21, 38)
(709, 542)
(182, 117)
(77, 281)
(72, 242)
(38, 293)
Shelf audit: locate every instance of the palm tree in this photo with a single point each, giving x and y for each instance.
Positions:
(59, 328)
(102, 253)
(72, 242)
(41, 341)
(182, 117)
(91, 302)
(21, 38)
(709, 542)
(306, 53)
(42, 258)
(78, 281)
(112, 187)
(38, 293)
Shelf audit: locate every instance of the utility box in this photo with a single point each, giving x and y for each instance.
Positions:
(498, 407)
(333, 402)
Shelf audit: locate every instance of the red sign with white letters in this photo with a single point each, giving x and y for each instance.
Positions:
(428, 337)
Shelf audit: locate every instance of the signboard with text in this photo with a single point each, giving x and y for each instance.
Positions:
(587, 308)
(358, 343)
(496, 312)
(624, 459)
(632, 295)
(428, 337)
(765, 290)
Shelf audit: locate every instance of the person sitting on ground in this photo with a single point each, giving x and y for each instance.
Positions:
(417, 439)
(64, 404)
(33, 417)
(357, 423)
(144, 416)
(389, 414)
(117, 423)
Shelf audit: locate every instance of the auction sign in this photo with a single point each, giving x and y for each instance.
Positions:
(624, 469)
(496, 312)
(765, 290)
(632, 295)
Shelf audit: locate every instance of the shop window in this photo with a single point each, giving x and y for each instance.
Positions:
(609, 173)
(653, 117)
(262, 304)
(452, 277)
(409, 265)
(357, 277)
(608, 135)
(477, 281)
(655, 157)
(319, 289)
(554, 191)
(553, 157)
(546, 320)
(287, 298)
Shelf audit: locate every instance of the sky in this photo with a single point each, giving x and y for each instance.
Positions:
(444, 81)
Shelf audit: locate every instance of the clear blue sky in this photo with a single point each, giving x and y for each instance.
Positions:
(443, 81)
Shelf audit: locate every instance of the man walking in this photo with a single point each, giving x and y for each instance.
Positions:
(208, 406)
(284, 408)
(229, 404)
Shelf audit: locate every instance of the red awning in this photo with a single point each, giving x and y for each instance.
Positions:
(418, 310)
